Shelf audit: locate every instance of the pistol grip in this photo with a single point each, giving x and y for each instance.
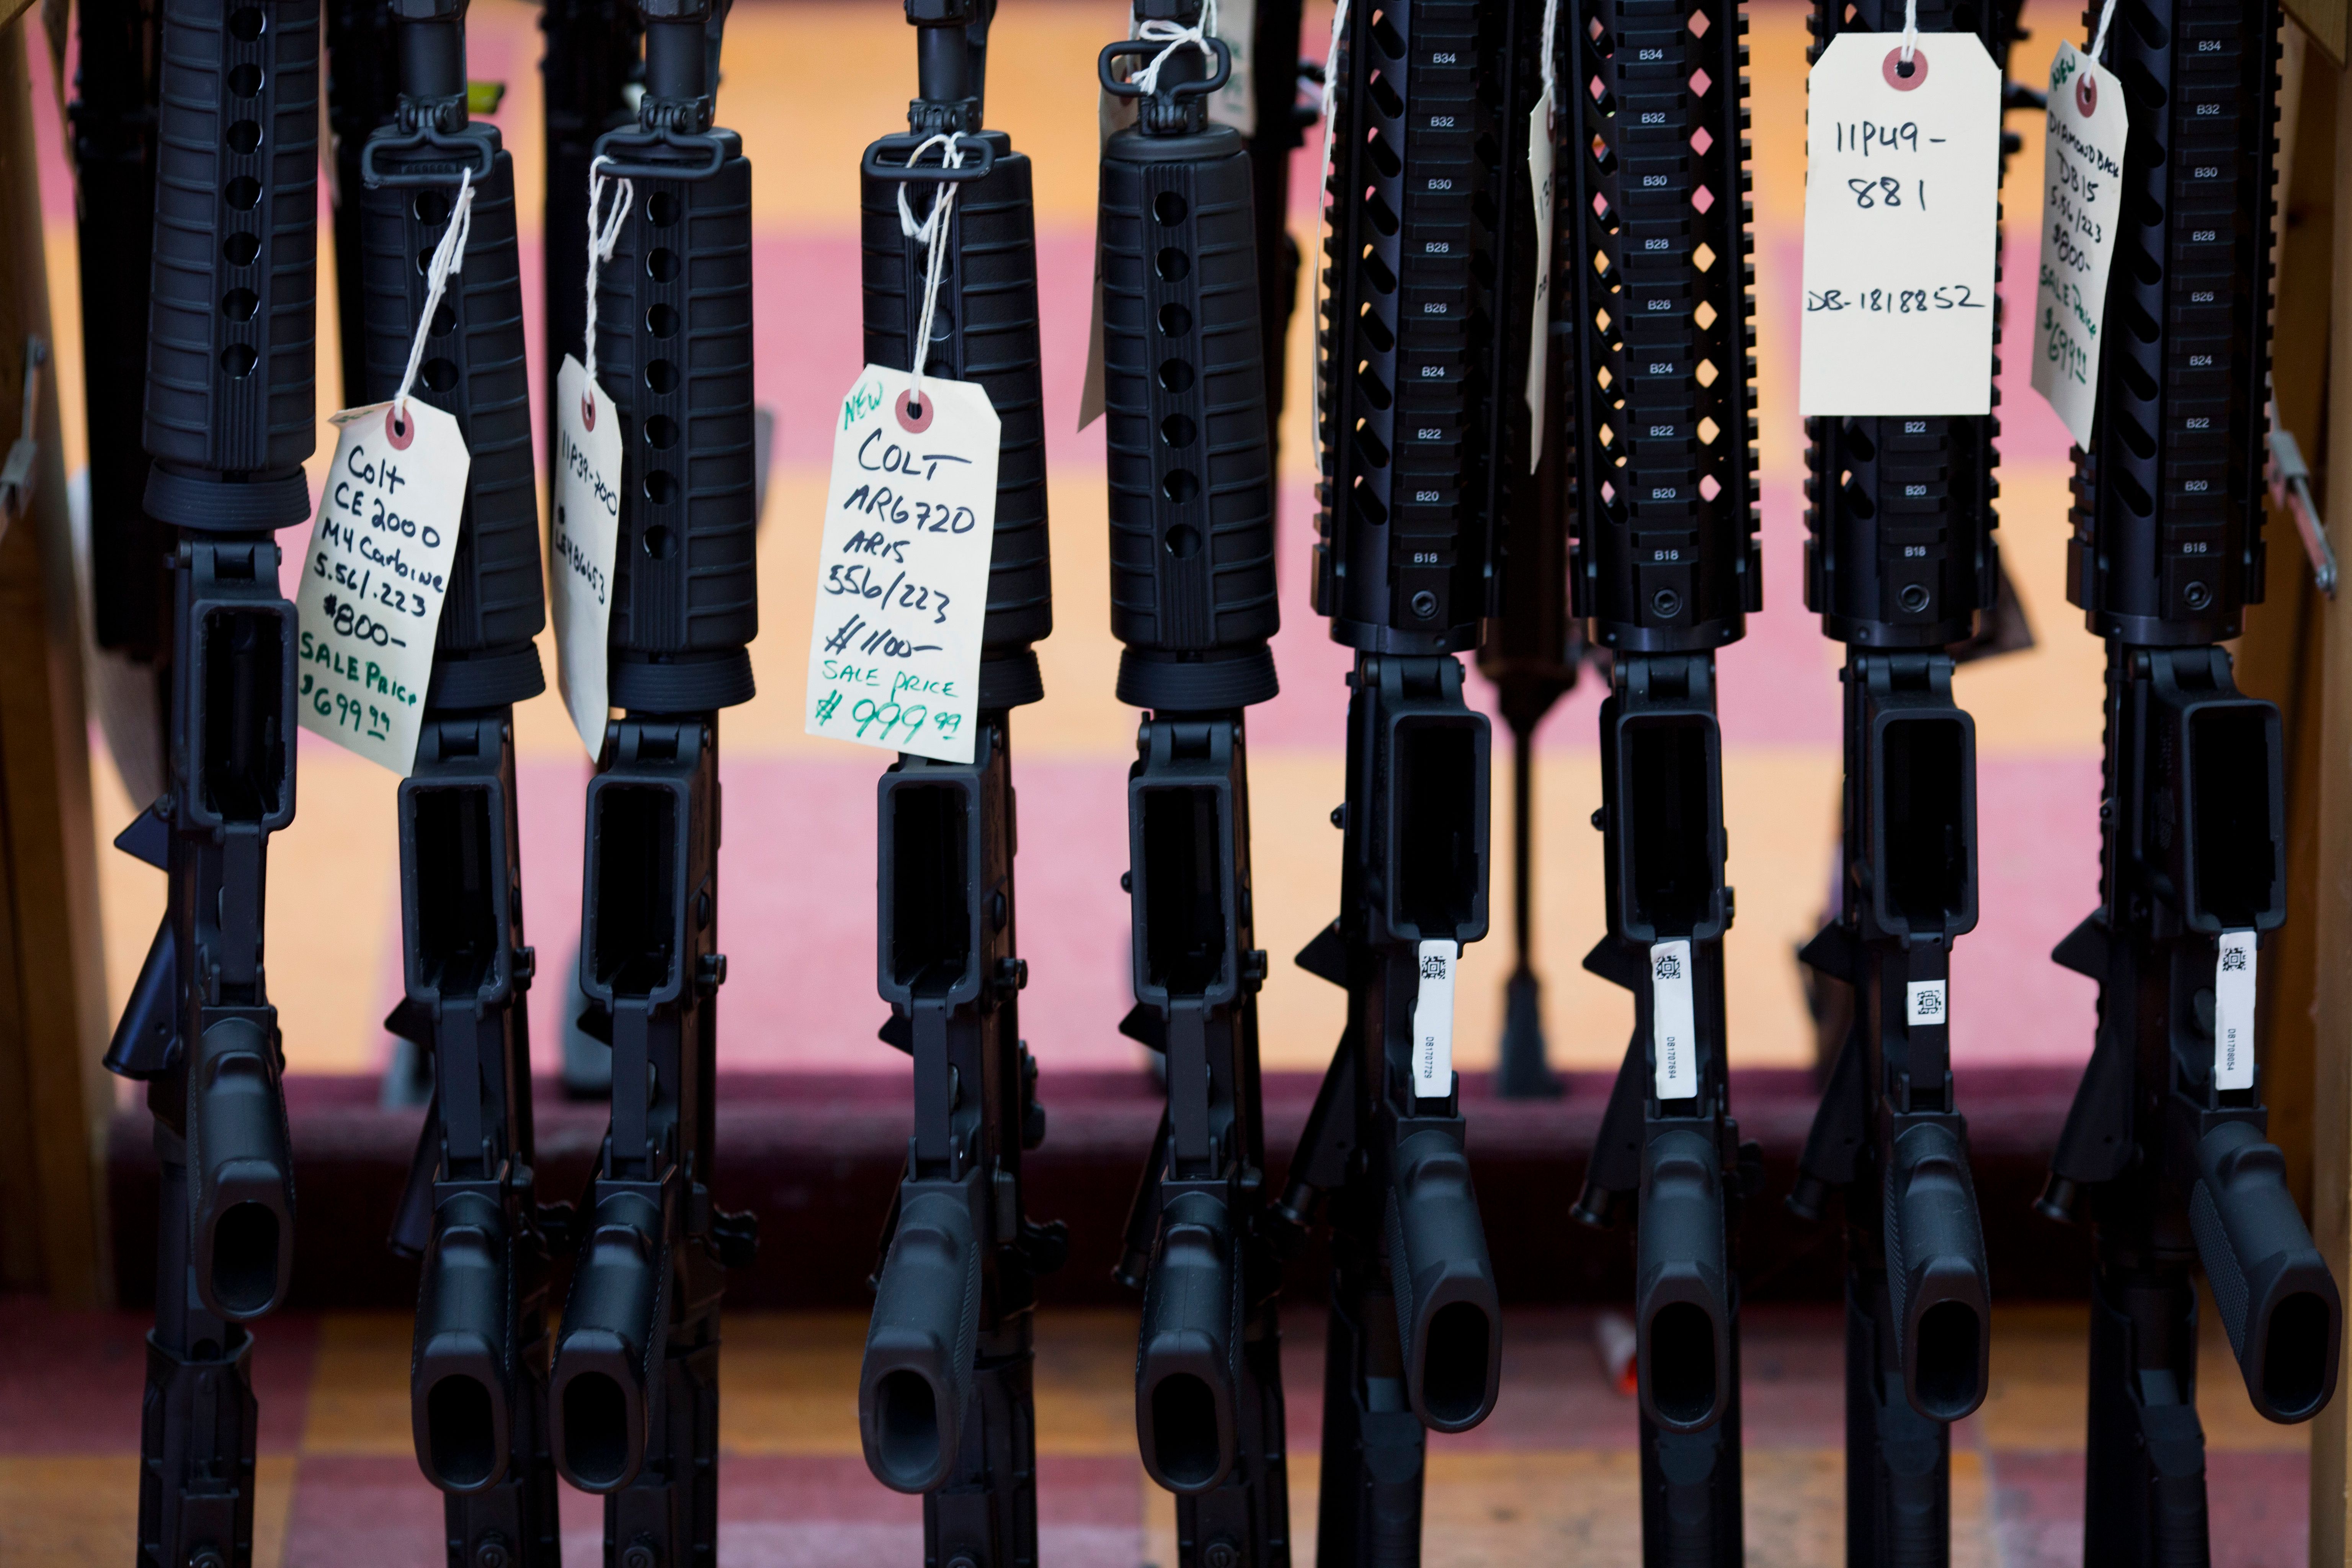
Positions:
(244, 1213)
(916, 1378)
(2276, 1297)
(1935, 1272)
(1449, 1315)
(1682, 1304)
(611, 1346)
(1187, 1365)
(465, 1351)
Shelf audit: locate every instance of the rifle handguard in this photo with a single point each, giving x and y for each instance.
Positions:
(1449, 1316)
(1187, 1362)
(2276, 1297)
(1935, 1272)
(1682, 1302)
(916, 1379)
(237, 1150)
(465, 1354)
(614, 1327)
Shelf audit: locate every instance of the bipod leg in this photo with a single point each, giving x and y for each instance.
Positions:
(1245, 1522)
(2144, 1486)
(986, 1515)
(1899, 1463)
(1691, 1489)
(1374, 1447)
(198, 1427)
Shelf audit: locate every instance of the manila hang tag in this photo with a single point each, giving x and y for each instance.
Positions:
(1902, 223)
(902, 567)
(376, 575)
(584, 539)
(2082, 203)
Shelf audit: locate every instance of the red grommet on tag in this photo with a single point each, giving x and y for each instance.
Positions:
(1893, 68)
(2087, 94)
(588, 413)
(398, 431)
(914, 422)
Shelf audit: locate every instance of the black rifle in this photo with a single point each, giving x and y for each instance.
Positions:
(944, 1400)
(1900, 563)
(2164, 1151)
(1667, 565)
(229, 419)
(591, 58)
(478, 1382)
(636, 1384)
(114, 125)
(1192, 598)
(1424, 434)
(363, 69)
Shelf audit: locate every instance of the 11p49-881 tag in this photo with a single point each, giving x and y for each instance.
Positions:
(376, 575)
(902, 573)
(582, 542)
(1902, 209)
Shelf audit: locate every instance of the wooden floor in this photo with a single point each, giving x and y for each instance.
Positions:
(1551, 1479)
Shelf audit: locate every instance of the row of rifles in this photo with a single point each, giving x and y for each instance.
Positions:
(1618, 527)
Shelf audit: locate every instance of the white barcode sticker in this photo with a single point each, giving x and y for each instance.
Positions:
(1433, 1021)
(2233, 1011)
(2082, 198)
(1926, 1003)
(1902, 215)
(1673, 1020)
(1539, 178)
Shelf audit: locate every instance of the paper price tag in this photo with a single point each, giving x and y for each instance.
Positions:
(1673, 1020)
(1902, 206)
(1539, 175)
(584, 539)
(2233, 1011)
(902, 573)
(1433, 1021)
(377, 573)
(2081, 175)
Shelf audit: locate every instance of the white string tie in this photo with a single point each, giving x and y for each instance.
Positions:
(1155, 31)
(931, 232)
(448, 258)
(1910, 29)
(1551, 51)
(601, 241)
(2099, 38)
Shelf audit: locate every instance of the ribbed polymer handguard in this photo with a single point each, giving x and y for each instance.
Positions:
(475, 369)
(231, 382)
(673, 350)
(984, 329)
(1666, 555)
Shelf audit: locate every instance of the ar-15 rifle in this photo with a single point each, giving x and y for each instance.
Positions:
(1420, 424)
(229, 420)
(2164, 1151)
(478, 1382)
(635, 1383)
(944, 1401)
(1192, 598)
(1900, 563)
(1666, 566)
(114, 119)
